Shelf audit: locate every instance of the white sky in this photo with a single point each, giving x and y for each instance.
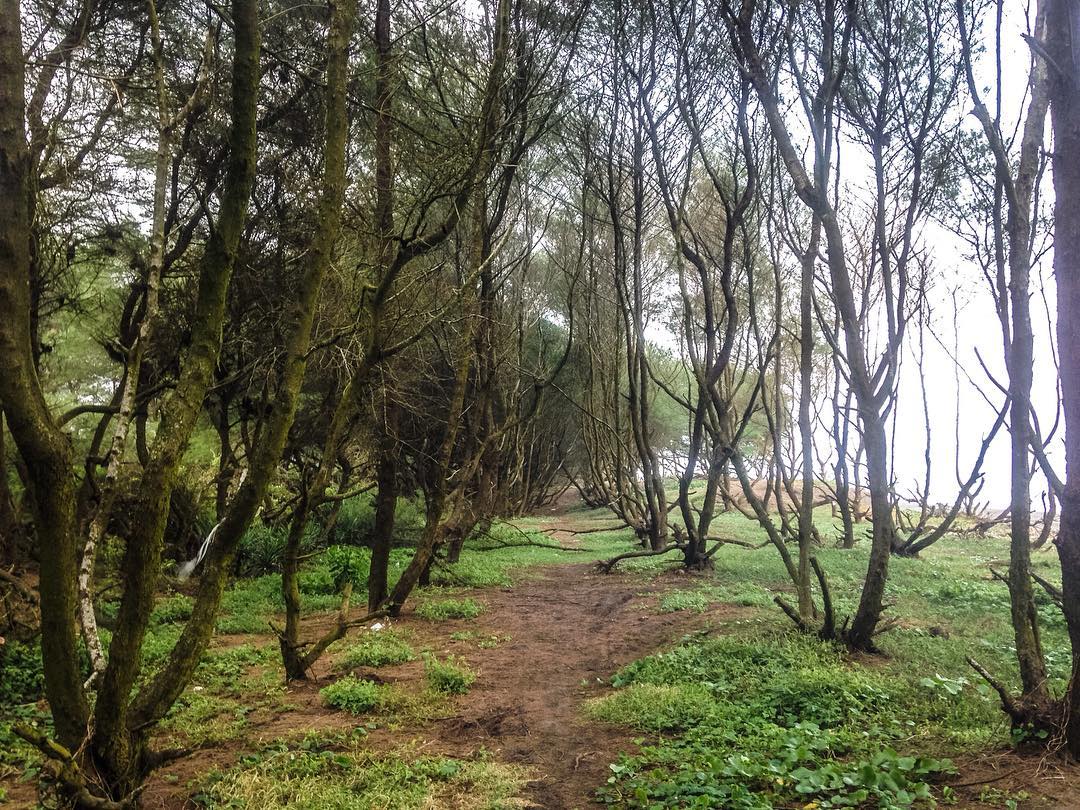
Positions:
(978, 330)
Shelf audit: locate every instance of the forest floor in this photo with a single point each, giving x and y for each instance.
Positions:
(541, 649)
(560, 635)
(543, 726)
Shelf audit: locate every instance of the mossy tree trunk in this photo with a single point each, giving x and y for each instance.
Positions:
(382, 536)
(44, 448)
(118, 732)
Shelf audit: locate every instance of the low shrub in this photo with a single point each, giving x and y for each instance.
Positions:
(675, 601)
(21, 677)
(377, 649)
(450, 677)
(260, 551)
(758, 724)
(356, 520)
(354, 695)
(655, 707)
(172, 609)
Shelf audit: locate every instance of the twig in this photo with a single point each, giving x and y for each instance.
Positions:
(998, 778)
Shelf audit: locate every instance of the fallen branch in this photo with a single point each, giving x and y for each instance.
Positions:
(528, 541)
(974, 782)
(598, 530)
(726, 541)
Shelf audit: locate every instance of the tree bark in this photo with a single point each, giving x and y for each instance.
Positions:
(806, 435)
(119, 737)
(1019, 186)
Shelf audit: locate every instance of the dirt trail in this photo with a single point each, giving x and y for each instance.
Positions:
(562, 631)
(570, 629)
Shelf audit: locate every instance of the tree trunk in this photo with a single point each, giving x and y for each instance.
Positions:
(420, 564)
(10, 530)
(1063, 29)
(1016, 180)
(861, 633)
(382, 536)
(44, 448)
(120, 752)
(806, 435)
(290, 590)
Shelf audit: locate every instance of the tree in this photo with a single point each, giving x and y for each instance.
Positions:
(1061, 30)
(899, 81)
(118, 743)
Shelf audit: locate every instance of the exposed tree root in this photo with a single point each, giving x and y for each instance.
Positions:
(69, 776)
(1049, 716)
(606, 566)
(696, 562)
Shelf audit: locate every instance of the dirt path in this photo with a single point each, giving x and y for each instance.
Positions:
(570, 630)
(563, 630)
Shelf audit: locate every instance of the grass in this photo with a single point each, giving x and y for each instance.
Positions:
(695, 601)
(443, 609)
(752, 723)
(229, 686)
(493, 560)
(763, 717)
(335, 774)
(376, 649)
(753, 717)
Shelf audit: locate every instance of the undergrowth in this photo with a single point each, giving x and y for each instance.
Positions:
(355, 695)
(442, 609)
(757, 724)
(451, 677)
(335, 773)
(376, 649)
